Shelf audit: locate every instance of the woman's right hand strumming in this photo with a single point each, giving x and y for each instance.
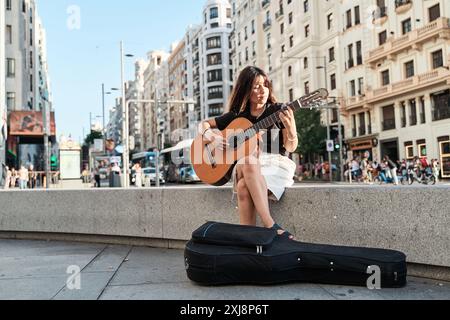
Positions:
(216, 139)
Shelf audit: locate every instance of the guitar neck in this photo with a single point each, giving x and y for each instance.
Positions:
(275, 117)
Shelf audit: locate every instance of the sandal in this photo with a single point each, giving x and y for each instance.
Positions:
(285, 233)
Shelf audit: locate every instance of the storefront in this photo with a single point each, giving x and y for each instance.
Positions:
(444, 153)
(357, 148)
(26, 139)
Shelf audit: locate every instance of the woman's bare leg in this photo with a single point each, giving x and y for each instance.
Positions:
(256, 185)
(247, 212)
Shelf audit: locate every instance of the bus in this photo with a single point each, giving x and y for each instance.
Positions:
(177, 163)
(147, 160)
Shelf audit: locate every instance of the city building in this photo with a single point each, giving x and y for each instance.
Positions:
(385, 64)
(404, 109)
(3, 112)
(156, 87)
(215, 71)
(27, 84)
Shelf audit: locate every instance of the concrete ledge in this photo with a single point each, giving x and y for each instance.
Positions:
(415, 220)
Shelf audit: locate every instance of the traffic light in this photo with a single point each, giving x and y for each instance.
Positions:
(53, 162)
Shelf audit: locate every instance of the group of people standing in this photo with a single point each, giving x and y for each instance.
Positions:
(23, 178)
(367, 171)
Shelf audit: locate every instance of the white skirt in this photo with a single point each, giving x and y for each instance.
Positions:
(277, 170)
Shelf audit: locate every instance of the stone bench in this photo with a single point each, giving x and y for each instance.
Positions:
(415, 220)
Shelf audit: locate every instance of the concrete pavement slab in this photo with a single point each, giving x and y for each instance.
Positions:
(148, 265)
(91, 287)
(43, 288)
(189, 291)
(142, 273)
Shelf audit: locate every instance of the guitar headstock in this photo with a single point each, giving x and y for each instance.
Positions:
(314, 100)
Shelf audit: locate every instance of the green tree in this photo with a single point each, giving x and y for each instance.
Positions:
(311, 133)
(92, 136)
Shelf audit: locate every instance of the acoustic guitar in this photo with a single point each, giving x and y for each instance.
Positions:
(215, 166)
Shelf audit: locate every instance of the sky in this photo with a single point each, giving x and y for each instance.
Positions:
(83, 49)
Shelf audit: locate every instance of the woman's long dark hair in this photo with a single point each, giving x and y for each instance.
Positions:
(240, 97)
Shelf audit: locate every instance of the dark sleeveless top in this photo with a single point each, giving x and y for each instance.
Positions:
(273, 139)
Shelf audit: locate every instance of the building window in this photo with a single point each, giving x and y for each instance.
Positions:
(406, 26)
(434, 12)
(31, 59)
(305, 62)
(215, 92)
(214, 75)
(253, 26)
(352, 88)
(214, 13)
(268, 41)
(357, 15)
(359, 57)
(385, 80)
(413, 112)
(290, 71)
(409, 152)
(362, 124)
(388, 118)
(215, 109)
(351, 61)
(422, 110)
(290, 18)
(11, 100)
(228, 13)
(306, 6)
(8, 5)
(360, 86)
(9, 34)
(354, 125)
(212, 43)
(10, 68)
(349, 18)
(214, 25)
(441, 105)
(330, 21)
(331, 54)
(402, 114)
(291, 94)
(291, 41)
(307, 31)
(382, 37)
(281, 28)
(333, 81)
(438, 60)
(409, 69)
(213, 59)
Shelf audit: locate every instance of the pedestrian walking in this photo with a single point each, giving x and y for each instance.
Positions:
(23, 178)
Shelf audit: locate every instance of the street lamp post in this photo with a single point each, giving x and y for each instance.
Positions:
(324, 67)
(125, 133)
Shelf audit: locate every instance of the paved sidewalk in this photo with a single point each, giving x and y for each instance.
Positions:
(37, 270)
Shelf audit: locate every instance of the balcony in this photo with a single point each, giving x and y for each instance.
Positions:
(265, 3)
(379, 16)
(267, 24)
(413, 40)
(388, 124)
(279, 13)
(355, 102)
(402, 6)
(418, 82)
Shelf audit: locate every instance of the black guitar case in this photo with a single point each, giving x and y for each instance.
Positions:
(224, 254)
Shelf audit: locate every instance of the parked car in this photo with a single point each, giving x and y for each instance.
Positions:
(188, 175)
(149, 177)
